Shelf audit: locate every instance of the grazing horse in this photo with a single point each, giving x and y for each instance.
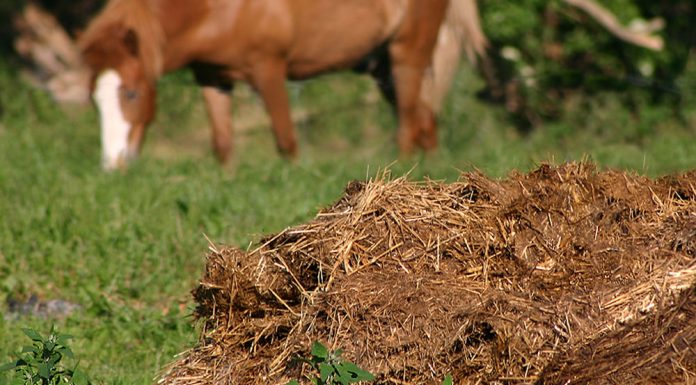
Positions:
(131, 43)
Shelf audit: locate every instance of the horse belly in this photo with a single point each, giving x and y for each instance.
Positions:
(332, 35)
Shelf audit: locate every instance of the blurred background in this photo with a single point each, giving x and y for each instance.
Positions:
(544, 56)
(561, 82)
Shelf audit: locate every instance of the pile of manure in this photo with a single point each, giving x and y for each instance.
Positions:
(565, 275)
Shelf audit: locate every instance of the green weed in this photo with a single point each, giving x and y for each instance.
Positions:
(41, 362)
(331, 369)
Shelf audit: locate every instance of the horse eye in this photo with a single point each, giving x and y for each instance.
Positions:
(130, 94)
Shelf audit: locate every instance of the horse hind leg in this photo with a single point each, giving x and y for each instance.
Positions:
(437, 80)
(459, 33)
(380, 69)
(427, 128)
(269, 80)
(217, 103)
(217, 94)
(410, 54)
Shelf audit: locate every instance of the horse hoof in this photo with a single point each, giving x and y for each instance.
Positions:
(427, 135)
(223, 153)
(428, 142)
(289, 152)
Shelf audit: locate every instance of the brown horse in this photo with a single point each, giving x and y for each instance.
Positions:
(264, 42)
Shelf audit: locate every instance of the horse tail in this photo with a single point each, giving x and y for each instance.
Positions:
(463, 19)
(459, 33)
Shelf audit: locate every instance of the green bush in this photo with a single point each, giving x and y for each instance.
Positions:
(545, 52)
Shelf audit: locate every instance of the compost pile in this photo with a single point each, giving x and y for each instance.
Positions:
(565, 275)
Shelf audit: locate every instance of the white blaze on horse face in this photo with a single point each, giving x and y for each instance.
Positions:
(114, 126)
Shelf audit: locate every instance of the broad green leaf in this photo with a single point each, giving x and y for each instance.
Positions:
(55, 358)
(49, 345)
(319, 350)
(33, 334)
(63, 339)
(345, 377)
(292, 382)
(8, 366)
(66, 352)
(79, 378)
(325, 371)
(447, 380)
(44, 371)
(356, 373)
(30, 349)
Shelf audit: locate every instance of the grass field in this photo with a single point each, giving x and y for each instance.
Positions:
(129, 246)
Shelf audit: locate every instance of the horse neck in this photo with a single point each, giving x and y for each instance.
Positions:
(181, 22)
(151, 38)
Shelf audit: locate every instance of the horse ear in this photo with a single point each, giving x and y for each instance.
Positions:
(130, 39)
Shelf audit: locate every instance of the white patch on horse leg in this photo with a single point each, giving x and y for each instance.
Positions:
(114, 127)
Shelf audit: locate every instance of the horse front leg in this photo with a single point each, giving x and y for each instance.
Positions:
(411, 54)
(416, 120)
(217, 105)
(268, 79)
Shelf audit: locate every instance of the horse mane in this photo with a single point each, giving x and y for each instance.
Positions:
(130, 15)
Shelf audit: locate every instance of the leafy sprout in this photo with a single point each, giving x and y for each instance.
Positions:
(332, 369)
(40, 363)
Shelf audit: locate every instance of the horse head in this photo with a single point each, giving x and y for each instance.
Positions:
(123, 63)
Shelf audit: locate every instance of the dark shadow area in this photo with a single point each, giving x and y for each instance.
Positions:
(72, 15)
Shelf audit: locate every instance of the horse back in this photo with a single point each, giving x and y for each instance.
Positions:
(330, 35)
(311, 36)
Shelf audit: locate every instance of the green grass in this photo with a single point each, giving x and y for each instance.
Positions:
(128, 247)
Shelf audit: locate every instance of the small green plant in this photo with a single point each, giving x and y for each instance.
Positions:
(447, 380)
(332, 369)
(40, 362)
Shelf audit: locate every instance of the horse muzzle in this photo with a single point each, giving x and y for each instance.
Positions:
(120, 161)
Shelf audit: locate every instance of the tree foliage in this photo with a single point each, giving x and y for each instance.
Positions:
(543, 51)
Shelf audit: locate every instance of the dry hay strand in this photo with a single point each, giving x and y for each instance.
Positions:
(565, 275)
